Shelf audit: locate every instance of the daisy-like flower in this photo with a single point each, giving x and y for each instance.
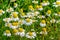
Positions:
(48, 13)
(21, 32)
(31, 8)
(7, 24)
(41, 16)
(44, 3)
(14, 25)
(57, 14)
(43, 23)
(15, 5)
(1, 12)
(12, 0)
(35, 2)
(23, 15)
(15, 16)
(16, 32)
(53, 21)
(7, 20)
(30, 15)
(27, 21)
(10, 10)
(40, 8)
(44, 31)
(57, 3)
(7, 33)
(31, 35)
(36, 13)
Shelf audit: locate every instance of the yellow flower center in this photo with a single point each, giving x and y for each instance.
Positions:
(7, 31)
(43, 21)
(37, 6)
(21, 29)
(23, 14)
(15, 23)
(30, 33)
(27, 20)
(44, 29)
(15, 30)
(49, 11)
(1, 11)
(30, 6)
(15, 15)
(40, 6)
(58, 3)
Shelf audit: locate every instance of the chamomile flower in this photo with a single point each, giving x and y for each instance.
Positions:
(45, 3)
(30, 15)
(7, 20)
(43, 23)
(14, 25)
(31, 8)
(41, 16)
(28, 21)
(7, 24)
(7, 33)
(44, 31)
(10, 10)
(21, 32)
(1, 12)
(48, 13)
(15, 5)
(52, 20)
(23, 15)
(35, 2)
(57, 3)
(16, 32)
(57, 14)
(31, 35)
(15, 16)
(36, 13)
(40, 8)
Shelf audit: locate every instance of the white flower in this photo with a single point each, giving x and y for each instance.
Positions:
(15, 31)
(7, 20)
(43, 23)
(7, 33)
(14, 25)
(9, 10)
(30, 14)
(36, 13)
(31, 35)
(21, 32)
(57, 3)
(41, 16)
(45, 3)
(23, 15)
(15, 5)
(35, 2)
(53, 21)
(40, 8)
(57, 14)
(14, 16)
(1, 12)
(48, 13)
(27, 21)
